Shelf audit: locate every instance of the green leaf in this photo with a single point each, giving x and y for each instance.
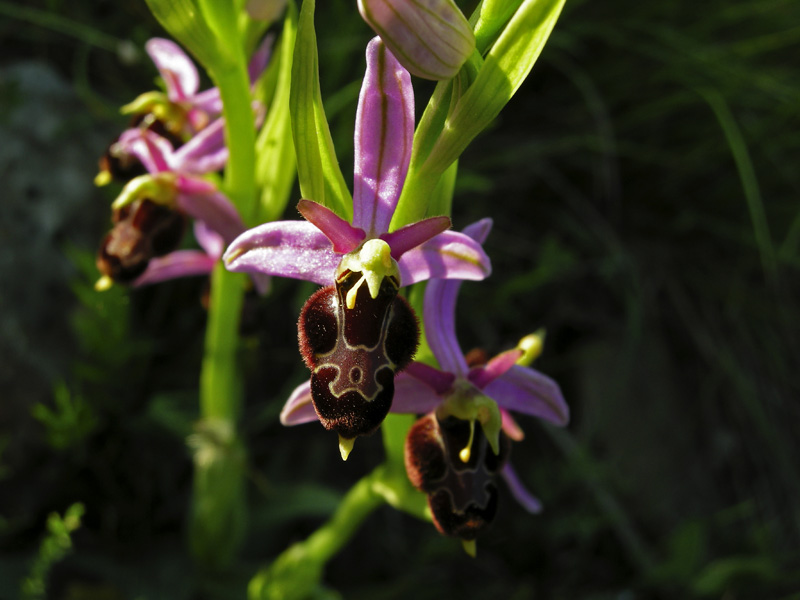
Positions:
(504, 69)
(461, 108)
(317, 167)
(493, 15)
(275, 154)
(724, 573)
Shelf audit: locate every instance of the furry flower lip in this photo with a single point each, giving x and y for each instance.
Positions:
(362, 260)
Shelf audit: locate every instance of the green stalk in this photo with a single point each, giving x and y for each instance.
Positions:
(240, 135)
(218, 517)
(296, 573)
(220, 391)
(219, 381)
(356, 506)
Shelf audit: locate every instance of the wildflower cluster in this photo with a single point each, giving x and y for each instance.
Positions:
(358, 334)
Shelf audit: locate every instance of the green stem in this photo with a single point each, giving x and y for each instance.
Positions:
(220, 391)
(296, 573)
(356, 506)
(240, 136)
(219, 382)
(218, 519)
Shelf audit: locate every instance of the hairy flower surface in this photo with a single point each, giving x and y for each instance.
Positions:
(363, 261)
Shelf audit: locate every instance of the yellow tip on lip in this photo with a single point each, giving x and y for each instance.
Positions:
(346, 446)
(102, 178)
(104, 283)
(470, 547)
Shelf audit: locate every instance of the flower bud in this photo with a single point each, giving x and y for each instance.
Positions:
(430, 38)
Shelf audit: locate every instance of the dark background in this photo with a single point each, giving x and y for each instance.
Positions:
(644, 185)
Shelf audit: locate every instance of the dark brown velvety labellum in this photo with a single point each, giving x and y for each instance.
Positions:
(142, 230)
(462, 495)
(121, 165)
(354, 353)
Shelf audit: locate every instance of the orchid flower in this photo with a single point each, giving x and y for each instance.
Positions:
(454, 397)
(143, 234)
(182, 114)
(362, 263)
(441, 448)
(185, 109)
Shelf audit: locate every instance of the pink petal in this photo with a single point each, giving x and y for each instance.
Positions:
(181, 263)
(206, 152)
(209, 240)
(440, 330)
(437, 380)
(484, 375)
(344, 237)
(260, 58)
(450, 255)
(510, 426)
(299, 408)
(152, 150)
(411, 236)
(295, 249)
(208, 101)
(527, 391)
(413, 396)
(383, 137)
(214, 208)
(528, 501)
(479, 230)
(177, 70)
(440, 308)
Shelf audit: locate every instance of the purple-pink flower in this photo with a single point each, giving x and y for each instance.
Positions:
(177, 138)
(350, 334)
(313, 249)
(189, 119)
(456, 397)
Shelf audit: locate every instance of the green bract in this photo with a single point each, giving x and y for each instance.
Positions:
(275, 157)
(318, 169)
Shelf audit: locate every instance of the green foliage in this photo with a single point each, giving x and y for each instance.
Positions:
(275, 156)
(54, 547)
(318, 169)
(69, 421)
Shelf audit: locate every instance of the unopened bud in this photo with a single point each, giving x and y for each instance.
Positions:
(430, 38)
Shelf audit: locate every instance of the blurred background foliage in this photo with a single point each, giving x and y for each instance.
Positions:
(644, 184)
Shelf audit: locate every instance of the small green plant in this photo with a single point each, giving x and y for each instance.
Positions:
(69, 421)
(55, 546)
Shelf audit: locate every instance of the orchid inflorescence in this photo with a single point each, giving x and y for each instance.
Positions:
(358, 334)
